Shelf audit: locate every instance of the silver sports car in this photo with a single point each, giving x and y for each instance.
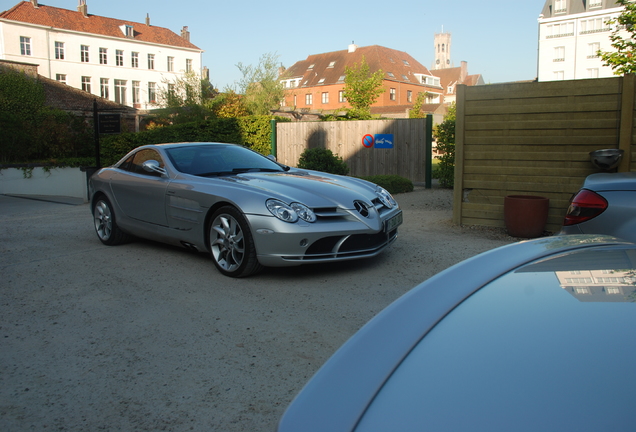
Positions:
(245, 209)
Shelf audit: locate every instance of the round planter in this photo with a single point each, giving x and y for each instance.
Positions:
(525, 215)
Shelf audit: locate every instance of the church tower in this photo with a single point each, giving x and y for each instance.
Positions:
(442, 51)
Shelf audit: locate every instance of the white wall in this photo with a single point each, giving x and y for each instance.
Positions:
(64, 182)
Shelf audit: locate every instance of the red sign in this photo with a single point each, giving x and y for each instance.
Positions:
(368, 141)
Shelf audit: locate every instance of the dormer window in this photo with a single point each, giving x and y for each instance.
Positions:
(311, 66)
(127, 30)
(390, 74)
(332, 64)
(342, 78)
(406, 63)
(595, 4)
(560, 6)
(405, 78)
(321, 81)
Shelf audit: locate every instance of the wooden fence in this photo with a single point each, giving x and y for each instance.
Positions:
(407, 158)
(535, 139)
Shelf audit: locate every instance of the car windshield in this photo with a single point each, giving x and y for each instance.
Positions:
(219, 159)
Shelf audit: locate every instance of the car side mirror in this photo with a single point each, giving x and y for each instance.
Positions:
(272, 157)
(152, 166)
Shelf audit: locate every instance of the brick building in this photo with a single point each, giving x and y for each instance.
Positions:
(316, 84)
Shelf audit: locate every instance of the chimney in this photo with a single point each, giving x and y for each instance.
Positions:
(185, 33)
(34, 3)
(463, 72)
(147, 19)
(82, 8)
(353, 47)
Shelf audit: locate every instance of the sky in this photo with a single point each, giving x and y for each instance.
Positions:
(497, 38)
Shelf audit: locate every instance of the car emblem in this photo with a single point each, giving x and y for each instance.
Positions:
(361, 208)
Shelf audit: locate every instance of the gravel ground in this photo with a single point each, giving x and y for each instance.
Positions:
(149, 337)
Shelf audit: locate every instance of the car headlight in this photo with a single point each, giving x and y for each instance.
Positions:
(385, 197)
(290, 213)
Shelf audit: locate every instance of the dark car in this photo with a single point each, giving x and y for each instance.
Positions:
(533, 336)
(606, 204)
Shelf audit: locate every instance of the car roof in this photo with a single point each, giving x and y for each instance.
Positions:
(341, 391)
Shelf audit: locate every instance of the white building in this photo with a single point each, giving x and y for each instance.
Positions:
(124, 61)
(570, 34)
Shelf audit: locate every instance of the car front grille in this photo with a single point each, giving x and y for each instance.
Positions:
(343, 247)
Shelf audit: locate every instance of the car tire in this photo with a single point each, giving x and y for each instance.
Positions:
(106, 223)
(231, 244)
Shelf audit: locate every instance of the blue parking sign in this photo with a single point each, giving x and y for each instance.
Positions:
(384, 141)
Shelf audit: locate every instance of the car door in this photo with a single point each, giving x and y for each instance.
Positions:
(139, 193)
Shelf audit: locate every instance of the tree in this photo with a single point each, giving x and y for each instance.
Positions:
(186, 99)
(362, 88)
(623, 59)
(416, 111)
(261, 89)
(444, 134)
(229, 105)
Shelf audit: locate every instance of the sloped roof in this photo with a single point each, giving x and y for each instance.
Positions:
(331, 66)
(65, 19)
(457, 75)
(575, 7)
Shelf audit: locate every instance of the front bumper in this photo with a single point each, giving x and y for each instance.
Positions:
(281, 244)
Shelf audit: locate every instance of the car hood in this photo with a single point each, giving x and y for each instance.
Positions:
(611, 182)
(312, 188)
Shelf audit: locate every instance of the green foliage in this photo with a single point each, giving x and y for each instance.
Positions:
(392, 183)
(324, 160)
(229, 105)
(260, 85)
(30, 130)
(416, 111)
(185, 100)
(362, 88)
(253, 132)
(444, 134)
(622, 60)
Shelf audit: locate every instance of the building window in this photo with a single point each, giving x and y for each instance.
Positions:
(558, 75)
(593, 49)
(170, 64)
(84, 53)
(559, 54)
(392, 94)
(331, 64)
(60, 78)
(151, 61)
(103, 87)
(136, 85)
(559, 6)
(341, 96)
(325, 97)
(407, 63)
(119, 57)
(592, 73)
(560, 30)
(595, 25)
(188, 65)
(120, 91)
(342, 78)
(595, 4)
(321, 81)
(59, 50)
(152, 92)
(86, 84)
(134, 59)
(390, 74)
(103, 56)
(409, 96)
(25, 45)
(309, 99)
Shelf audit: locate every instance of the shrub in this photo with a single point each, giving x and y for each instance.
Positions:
(392, 183)
(324, 160)
(444, 133)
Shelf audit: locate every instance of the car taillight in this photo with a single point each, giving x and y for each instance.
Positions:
(584, 206)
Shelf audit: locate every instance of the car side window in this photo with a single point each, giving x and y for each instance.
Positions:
(142, 156)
